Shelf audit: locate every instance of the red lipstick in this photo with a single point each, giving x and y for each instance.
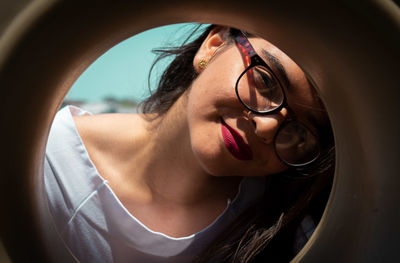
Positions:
(235, 143)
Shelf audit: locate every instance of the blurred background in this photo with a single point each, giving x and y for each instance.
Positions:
(118, 80)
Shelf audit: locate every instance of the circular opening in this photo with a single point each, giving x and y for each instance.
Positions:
(85, 196)
(360, 213)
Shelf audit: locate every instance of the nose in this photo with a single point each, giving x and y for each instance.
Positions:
(266, 126)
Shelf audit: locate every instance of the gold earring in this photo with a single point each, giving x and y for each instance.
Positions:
(202, 64)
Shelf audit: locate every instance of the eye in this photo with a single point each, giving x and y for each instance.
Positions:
(266, 84)
(259, 89)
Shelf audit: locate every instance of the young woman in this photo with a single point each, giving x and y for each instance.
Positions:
(209, 172)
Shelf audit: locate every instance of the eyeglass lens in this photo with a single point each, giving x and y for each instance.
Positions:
(260, 91)
(295, 144)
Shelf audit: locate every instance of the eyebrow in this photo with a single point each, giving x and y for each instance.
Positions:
(312, 119)
(278, 66)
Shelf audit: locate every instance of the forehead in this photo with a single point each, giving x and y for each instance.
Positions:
(302, 97)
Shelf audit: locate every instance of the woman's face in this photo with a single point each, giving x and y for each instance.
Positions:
(225, 139)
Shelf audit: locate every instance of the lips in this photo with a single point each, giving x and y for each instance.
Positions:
(234, 143)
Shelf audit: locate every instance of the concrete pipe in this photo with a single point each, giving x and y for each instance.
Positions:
(350, 49)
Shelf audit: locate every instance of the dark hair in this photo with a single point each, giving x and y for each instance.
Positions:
(265, 232)
(177, 77)
(266, 229)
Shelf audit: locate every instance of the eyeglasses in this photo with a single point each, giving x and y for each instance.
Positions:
(260, 91)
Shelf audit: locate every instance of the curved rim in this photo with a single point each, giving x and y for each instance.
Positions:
(350, 58)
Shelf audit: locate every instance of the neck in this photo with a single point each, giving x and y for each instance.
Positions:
(167, 170)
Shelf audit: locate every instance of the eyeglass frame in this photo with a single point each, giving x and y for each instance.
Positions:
(253, 60)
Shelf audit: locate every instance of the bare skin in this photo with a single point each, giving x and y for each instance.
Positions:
(176, 201)
(174, 173)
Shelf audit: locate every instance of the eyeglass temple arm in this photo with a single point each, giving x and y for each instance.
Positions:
(245, 46)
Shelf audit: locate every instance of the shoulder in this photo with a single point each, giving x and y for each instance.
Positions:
(74, 128)
(109, 139)
(102, 126)
(69, 174)
(65, 150)
(63, 135)
(105, 132)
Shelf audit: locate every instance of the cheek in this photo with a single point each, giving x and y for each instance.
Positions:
(212, 100)
(207, 149)
(212, 96)
(218, 80)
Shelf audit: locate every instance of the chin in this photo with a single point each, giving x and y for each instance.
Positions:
(230, 168)
(218, 168)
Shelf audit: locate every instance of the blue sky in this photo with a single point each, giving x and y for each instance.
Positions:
(122, 71)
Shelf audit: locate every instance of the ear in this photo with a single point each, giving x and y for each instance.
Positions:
(217, 37)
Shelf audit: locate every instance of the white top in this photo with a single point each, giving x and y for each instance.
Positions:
(94, 223)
